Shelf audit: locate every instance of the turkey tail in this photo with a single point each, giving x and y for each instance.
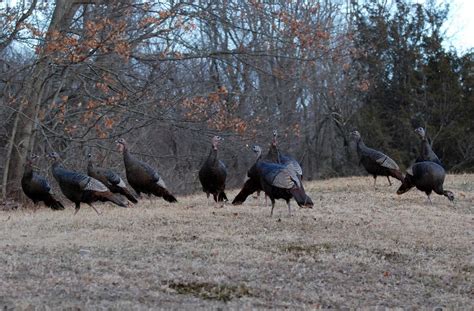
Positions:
(128, 195)
(110, 197)
(54, 204)
(250, 186)
(397, 174)
(301, 198)
(222, 197)
(169, 197)
(160, 191)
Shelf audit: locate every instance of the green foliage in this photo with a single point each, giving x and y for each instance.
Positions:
(414, 82)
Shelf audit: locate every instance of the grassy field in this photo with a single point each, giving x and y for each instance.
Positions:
(357, 247)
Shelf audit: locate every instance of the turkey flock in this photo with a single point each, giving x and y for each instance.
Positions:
(278, 175)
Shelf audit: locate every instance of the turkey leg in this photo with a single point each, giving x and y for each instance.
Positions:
(78, 207)
(95, 209)
(429, 199)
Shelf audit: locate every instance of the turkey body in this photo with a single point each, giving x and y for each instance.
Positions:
(375, 162)
(37, 188)
(380, 166)
(110, 179)
(80, 188)
(281, 182)
(427, 177)
(142, 177)
(213, 174)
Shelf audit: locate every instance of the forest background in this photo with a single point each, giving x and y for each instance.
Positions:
(167, 75)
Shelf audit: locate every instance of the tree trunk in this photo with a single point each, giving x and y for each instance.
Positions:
(32, 95)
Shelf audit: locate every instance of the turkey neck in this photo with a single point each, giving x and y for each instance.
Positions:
(425, 144)
(259, 156)
(274, 154)
(361, 147)
(127, 157)
(90, 165)
(28, 170)
(55, 168)
(212, 158)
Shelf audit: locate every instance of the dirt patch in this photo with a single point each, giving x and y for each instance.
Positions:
(211, 291)
(302, 250)
(390, 255)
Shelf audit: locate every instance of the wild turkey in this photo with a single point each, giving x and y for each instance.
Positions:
(142, 177)
(37, 188)
(213, 173)
(80, 188)
(280, 182)
(110, 179)
(426, 152)
(252, 184)
(375, 162)
(427, 177)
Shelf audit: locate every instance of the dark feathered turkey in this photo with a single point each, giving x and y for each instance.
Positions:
(142, 177)
(37, 188)
(427, 177)
(252, 183)
(281, 182)
(375, 162)
(213, 174)
(109, 178)
(426, 152)
(274, 155)
(250, 186)
(80, 188)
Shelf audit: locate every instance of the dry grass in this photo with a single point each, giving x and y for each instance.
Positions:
(357, 247)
